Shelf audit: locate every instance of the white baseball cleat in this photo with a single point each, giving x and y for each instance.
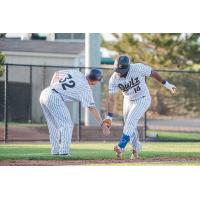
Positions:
(118, 151)
(134, 155)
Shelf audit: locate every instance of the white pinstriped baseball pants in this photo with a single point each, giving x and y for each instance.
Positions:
(58, 120)
(132, 112)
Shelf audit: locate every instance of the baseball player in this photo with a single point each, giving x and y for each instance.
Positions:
(68, 86)
(130, 79)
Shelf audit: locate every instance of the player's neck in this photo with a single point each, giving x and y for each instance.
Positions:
(125, 75)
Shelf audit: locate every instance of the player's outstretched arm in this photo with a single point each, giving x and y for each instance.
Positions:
(157, 76)
(111, 102)
(99, 120)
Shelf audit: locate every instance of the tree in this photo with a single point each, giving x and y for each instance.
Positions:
(165, 50)
(2, 35)
(171, 50)
(2, 58)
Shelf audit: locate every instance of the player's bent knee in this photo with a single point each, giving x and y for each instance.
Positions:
(66, 126)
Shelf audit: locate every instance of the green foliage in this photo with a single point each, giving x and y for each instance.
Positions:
(169, 50)
(2, 58)
(184, 103)
(166, 51)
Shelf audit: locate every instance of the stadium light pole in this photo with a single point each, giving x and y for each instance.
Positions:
(92, 59)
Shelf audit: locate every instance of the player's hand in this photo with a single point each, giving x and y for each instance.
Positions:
(170, 87)
(105, 129)
(108, 121)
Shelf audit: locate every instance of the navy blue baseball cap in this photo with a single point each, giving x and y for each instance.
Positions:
(122, 64)
(95, 74)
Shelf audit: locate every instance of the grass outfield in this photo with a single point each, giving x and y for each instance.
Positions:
(175, 136)
(102, 151)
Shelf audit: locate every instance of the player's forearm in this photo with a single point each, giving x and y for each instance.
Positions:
(99, 120)
(157, 76)
(111, 103)
(96, 114)
(165, 83)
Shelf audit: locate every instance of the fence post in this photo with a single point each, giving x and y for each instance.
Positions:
(79, 119)
(145, 119)
(30, 100)
(145, 125)
(6, 104)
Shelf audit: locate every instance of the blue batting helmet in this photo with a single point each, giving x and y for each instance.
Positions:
(95, 75)
(122, 64)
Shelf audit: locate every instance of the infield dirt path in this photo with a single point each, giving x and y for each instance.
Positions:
(95, 162)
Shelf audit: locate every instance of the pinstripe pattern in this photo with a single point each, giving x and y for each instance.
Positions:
(70, 86)
(136, 98)
(133, 111)
(54, 134)
(58, 120)
(81, 90)
(133, 86)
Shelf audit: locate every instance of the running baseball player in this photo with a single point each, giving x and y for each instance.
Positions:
(68, 86)
(130, 79)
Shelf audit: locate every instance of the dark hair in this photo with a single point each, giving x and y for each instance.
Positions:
(95, 75)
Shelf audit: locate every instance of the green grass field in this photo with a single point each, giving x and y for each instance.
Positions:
(176, 136)
(102, 151)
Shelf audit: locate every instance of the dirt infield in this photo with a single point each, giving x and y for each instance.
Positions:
(96, 162)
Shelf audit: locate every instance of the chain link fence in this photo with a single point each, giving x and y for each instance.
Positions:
(175, 117)
(170, 118)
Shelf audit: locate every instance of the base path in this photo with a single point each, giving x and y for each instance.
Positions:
(96, 162)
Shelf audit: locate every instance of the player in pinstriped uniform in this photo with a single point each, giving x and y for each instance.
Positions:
(130, 79)
(67, 86)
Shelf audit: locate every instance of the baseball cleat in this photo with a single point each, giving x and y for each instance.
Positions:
(54, 153)
(134, 155)
(65, 154)
(118, 151)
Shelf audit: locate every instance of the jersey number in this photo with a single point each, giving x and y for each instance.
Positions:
(70, 84)
(136, 89)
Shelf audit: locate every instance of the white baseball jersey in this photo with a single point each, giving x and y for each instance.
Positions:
(133, 86)
(72, 85)
(66, 85)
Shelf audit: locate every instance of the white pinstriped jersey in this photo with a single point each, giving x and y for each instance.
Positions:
(72, 85)
(133, 86)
